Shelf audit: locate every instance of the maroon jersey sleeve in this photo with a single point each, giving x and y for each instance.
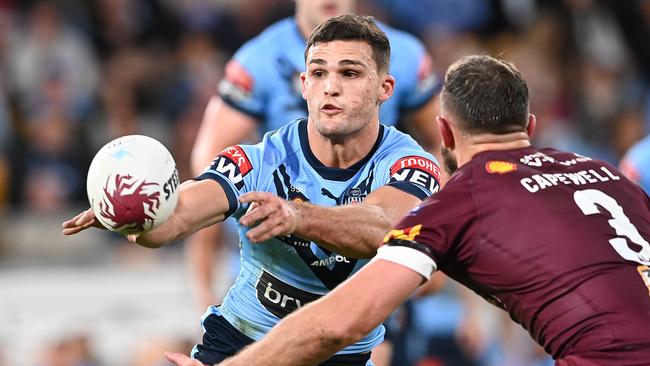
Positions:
(439, 225)
(558, 240)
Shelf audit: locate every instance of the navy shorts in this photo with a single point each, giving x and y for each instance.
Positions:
(221, 340)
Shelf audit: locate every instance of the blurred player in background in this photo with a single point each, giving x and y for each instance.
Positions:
(636, 163)
(558, 240)
(340, 168)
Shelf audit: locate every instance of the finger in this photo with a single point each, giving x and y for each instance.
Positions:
(176, 358)
(181, 360)
(259, 214)
(72, 221)
(266, 230)
(87, 216)
(255, 196)
(77, 228)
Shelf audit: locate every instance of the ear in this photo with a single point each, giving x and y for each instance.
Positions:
(303, 88)
(387, 87)
(448, 140)
(532, 123)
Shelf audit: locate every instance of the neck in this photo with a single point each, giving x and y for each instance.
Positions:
(342, 152)
(472, 145)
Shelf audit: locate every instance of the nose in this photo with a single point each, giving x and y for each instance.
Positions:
(332, 86)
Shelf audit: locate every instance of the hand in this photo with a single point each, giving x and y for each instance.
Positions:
(180, 359)
(272, 216)
(81, 222)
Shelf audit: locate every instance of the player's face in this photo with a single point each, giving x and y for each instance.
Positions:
(315, 12)
(343, 88)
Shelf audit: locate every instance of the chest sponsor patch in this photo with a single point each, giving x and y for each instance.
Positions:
(234, 164)
(418, 170)
(280, 298)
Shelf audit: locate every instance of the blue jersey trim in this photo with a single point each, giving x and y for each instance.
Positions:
(338, 174)
(232, 200)
(410, 189)
(258, 116)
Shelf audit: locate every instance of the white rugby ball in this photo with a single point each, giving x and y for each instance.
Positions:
(132, 184)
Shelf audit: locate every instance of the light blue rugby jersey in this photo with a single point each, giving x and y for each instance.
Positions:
(636, 163)
(278, 276)
(263, 78)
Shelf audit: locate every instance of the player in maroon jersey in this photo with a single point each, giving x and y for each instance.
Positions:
(558, 240)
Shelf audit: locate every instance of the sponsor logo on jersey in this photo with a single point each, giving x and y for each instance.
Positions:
(234, 164)
(644, 271)
(418, 170)
(280, 298)
(237, 83)
(334, 258)
(409, 233)
(355, 194)
(499, 167)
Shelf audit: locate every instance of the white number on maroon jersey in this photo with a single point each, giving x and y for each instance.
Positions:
(587, 201)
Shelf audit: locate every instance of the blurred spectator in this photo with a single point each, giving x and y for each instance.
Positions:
(50, 63)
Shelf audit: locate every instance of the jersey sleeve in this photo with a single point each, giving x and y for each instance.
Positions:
(442, 225)
(236, 169)
(243, 86)
(413, 171)
(418, 88)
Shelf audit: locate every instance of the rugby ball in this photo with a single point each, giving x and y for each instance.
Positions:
(132, 184)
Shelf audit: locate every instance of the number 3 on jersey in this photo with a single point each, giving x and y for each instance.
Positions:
(587, 201)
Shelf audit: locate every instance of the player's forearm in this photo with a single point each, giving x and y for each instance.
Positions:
(352, 230)
(200, 204)
(312, 334)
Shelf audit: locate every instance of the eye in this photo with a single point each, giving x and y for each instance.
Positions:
(318, 73)
(350, 73)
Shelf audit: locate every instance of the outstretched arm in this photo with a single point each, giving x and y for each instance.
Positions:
(353, 230)
(200, 203)
(342, 317)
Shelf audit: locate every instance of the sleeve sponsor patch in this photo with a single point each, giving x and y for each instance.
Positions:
(237, 83)
(418, 170)
(234, 164)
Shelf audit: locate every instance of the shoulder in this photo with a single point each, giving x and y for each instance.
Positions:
(400, 39)
(395, 142)
(640, 151)
(278, 144)
(269, 40)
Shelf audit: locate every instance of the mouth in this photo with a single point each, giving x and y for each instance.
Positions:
(330, 109)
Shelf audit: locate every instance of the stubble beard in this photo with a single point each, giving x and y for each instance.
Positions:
(449, 160)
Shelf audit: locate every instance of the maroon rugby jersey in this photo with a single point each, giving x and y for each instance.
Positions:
(558, 240)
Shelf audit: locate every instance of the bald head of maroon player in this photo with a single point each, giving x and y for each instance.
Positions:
(558, 240)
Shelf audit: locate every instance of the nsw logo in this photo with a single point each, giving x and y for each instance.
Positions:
(234, 164)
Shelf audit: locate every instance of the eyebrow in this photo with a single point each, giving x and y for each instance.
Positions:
(346, 62)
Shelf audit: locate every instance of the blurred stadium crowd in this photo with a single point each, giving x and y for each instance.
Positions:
(75, 74)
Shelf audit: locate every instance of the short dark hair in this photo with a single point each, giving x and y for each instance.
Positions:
(486, 94)
(350, 27)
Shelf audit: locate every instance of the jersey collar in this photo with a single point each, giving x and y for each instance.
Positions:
(330, 173)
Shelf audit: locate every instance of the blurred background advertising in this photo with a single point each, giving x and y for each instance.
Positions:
(75, 74)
